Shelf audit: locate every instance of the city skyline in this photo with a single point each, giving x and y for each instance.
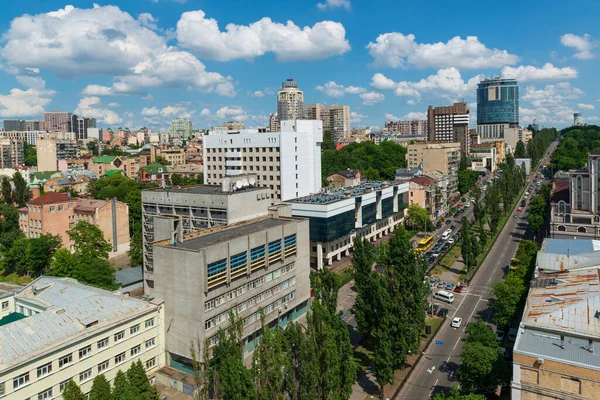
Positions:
(146, 63)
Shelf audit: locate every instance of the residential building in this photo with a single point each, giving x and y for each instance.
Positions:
(130, 166)
(234, 125)
(524, 163)
(274, 123)
(558, 339)
(196, 208)
(56, 213)
(172, 155)
(449, 124)
(483, 157)
(405, 174)
(34, 125)
(412, 127)
(370, 210)
(443, 157)
(74, 186)
(525, 135)
(287, 162)
(107, 135)
(12, 153)
(56, 121)
(347, 178)
(577, 120)
(29, 137)
(81, 128)
(60, 330)
(260, 266)
(181, 127)
(290, 101)
(50, 151)
(14, 125)
(422, 191)
(336, 119)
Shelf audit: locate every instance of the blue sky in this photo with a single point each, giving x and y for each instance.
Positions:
(143, 62)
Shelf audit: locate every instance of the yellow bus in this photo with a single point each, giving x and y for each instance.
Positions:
(424, 244)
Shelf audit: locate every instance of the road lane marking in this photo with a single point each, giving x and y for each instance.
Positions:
(454, 348)
(434, 385)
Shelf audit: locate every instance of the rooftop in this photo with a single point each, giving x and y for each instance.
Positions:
(561, 190)
(201, 189)
(129, 276)
(90, 204)
(568, 254)
(51, 198)
(103, 159)
(344, 193)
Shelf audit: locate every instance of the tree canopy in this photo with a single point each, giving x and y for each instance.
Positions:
(575, 144)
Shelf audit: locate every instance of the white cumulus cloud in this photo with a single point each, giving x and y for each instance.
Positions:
(92, 107)
(288, 42)
(391, 117)
(414, 115)
(371, 98)
(333, 89)
(584, 106)
(526, 73)
(550, 104)
(582, 44)
(26, 103)
(356, 118)
(225, 114)
(334, 4)
(397, 50)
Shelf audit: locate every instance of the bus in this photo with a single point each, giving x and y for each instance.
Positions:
(424, 244)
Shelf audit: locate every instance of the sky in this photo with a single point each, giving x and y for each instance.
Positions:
(134, 63)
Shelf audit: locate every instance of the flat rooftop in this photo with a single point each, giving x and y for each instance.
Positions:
(203, 189)
(345, 193)
(206, 238)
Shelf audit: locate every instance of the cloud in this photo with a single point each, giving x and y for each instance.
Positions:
(334, 4)
(92, 107)
(584, 106)
(549, 105)
(262, 93)
(391, 117)
(160, 116)
(414, 115)
(288, 42)
(26, 103)
(333, 89)
(73, 42)
(397, 50)
(114, 105)
(224, 114)
(371, 98)
(531, 73)
(583, 44)
(356, 118)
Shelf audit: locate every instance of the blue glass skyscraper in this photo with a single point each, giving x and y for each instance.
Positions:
(498, 102)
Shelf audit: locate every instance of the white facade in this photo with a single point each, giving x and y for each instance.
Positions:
(288, 162)
(181, 127)
(30, 137)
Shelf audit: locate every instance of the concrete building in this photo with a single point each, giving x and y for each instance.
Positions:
(181, 127)
(342, 179)
(34, 125)
(234, 125)
(59, 330)
(13, 125)
(483, 157)
(558, 340)
(274, 123)
(422, 191)
(336, 119)
(261, 264)
(29, 137)
(577, 120)
(50, 151)
(172, 155)
(369, 210)
(56, 213)
(443, 157)
(524, 163)
(56, 121)
(449, 124)
(287, 162)
(196, 208)
(82, 126)
(12, 153)
(290, 101)
(412, 127)
(129, 166)
(525, 135)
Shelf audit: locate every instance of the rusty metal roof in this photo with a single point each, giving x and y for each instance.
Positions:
(568, 254)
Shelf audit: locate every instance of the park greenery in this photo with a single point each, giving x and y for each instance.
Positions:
(575, 144)
(418, 218)
(390, 307)
(312, 362)
(539, 208)
(456, 395)
(130, 385)
(538, 144)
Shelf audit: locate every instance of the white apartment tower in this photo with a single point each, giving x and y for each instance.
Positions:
(288, 162)
(290, 101)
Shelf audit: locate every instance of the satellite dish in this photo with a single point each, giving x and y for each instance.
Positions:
(252, 181)
(238, 184)
(245, 182)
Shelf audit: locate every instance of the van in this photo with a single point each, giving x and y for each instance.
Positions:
(444, 296)
(446, 235)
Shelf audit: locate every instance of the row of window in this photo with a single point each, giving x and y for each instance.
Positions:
(243, 149)
(270, 308)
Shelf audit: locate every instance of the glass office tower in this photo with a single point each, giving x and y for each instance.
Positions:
(498, 102)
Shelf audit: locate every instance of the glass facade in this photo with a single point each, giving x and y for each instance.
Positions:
(387, 207)
(329, 229)
(498, 102)
(369, 214)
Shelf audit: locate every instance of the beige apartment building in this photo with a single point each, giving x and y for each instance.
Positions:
(12, 153)
(336, 119)
(50, 151)
(443, 157)
(449, 124)
(60, 330)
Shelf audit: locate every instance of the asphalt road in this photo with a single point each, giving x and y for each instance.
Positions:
(436, 371)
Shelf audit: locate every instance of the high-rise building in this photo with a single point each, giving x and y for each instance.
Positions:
(290, 101)
(498, 102)
(81, 128)
(182, 127)
(442, 157)
(12, 154)
(56, 121)
(413, 127)
(577, 120)
(336, 119)
(273, 123)
(449, 124)
(34, 125)
(288, 162)
(29, 137)
(14, 125)
(49, 151)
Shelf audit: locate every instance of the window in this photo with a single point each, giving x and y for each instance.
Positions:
(136, 350)
(45, 395)
(85, 376)
(85, 352)
(4, 305)
(102, 344)
(120, 358)
(60, 208)
(103, 366)
(65, 360)
(20, 381)
(134, 329)
(63, 385)
(52, 209)
(151, 363)
(150, 343)
(44, 370)
(119, 336)
(2, 390)
(71, 206)
(149, 323)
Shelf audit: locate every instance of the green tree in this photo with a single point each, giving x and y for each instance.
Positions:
(136, 374)
(30, 153)
(483, 238)
(22, 193)
(364, 277)
(100, 388)
(507, 294)
(520, 151)
(72, 392)
(63, 264)
(383, 358)
(455, 395)
(418, 217)
(482, 368)
(269, 364)
(200, 363)
(88, 241)
(328, 143)
(478, 209)
(6, 190)
(466, 244)
(92, 147)
(480, 332)
(9, 226)
(301, 379)
(15, 259)
(122, 389)
(96, 272)
(535, 221)
(41, 251)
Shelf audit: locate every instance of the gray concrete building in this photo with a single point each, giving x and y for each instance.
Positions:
(196, 208)
(202, 277)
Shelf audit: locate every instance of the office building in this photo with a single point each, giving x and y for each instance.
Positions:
(82, 126)
(56, 121)
(412, 127)
(181, 127)
(483, 157)
(273, 123)
(498, 110)
(288, 162)
(556, 347)
(369, 210)
(290, 101)
(577, 120)
(14, 125)
(449, 124)
(59, 330)
(197, 208)
(257, 266)
(12, 153)
(50, 151)
(442, 157)
(29, 137)
(336, 119)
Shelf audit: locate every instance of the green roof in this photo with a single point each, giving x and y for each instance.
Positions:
(112, 172)
(10, 318)
(103, 159)
(44, 175)
(153, 168)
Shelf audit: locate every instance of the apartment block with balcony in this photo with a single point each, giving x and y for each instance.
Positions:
(51, 151)
(12, 153)
(449, 124)
(59, 330)
(442, 157)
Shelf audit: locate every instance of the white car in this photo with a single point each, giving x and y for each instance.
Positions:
(456, 321)
(451, 240)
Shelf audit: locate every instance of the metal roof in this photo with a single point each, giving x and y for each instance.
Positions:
(568, 254)
(128, 276)
(345, 193)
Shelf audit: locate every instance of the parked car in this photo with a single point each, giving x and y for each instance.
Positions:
(441, 284)
(500, 334)
(515, 216)
(512, 334)
(442, 312)
(448, 222)
(431, 260)
(456, 321)
(459, 288)
(434, 310)
(435, 254)
(432, 280)
(449, 287)
(451, 240)
(341, 314)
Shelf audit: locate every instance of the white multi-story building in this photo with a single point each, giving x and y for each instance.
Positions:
(60, 330)
(182, 127)
(288, 162)
(30, 137)
(449, 124)
(290, 101)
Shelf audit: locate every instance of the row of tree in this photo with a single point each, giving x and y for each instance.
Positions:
(539, 208)
(575, 144)
(471, 245)
(390, 307)
(294, 363)
(19, 195)
(130, 385)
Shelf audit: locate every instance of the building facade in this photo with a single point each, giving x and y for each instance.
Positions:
(412, 127)
(422, 190)
(29, 137)
(369, 210)
(347, 178)
(129, 166)
(181, 127)
(274, 123)
(81, 128)
(290, 101)
(449, 124)
(498, 102)
(288, 162)
(12, 153)
(56, 121)
(50, 151)
(62, 330)
(483, 157)
(257, 265)
(443, 157)
(336, 119)
(14, 125)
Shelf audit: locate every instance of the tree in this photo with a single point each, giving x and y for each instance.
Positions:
(200, 363)
(478, 209)
(92, 147)
(507, 294)
(328, 143)
(9, 226)
(383, 359)
(455, 395)
(301, 379)
(16, 260)
(122, 389)
(269, 364)
(480, 332)
(535, 222)
(483, 238)
(6, 190)
(136, 374)
(72, 392)
(22, 193)
(520, 151)
(100, 388)
(466, 244)
(96, 272)
(88, 241)
(363, 309)
(41, 251)
(418, 217)
(63, 264)
(30, 153)
(481, 369)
